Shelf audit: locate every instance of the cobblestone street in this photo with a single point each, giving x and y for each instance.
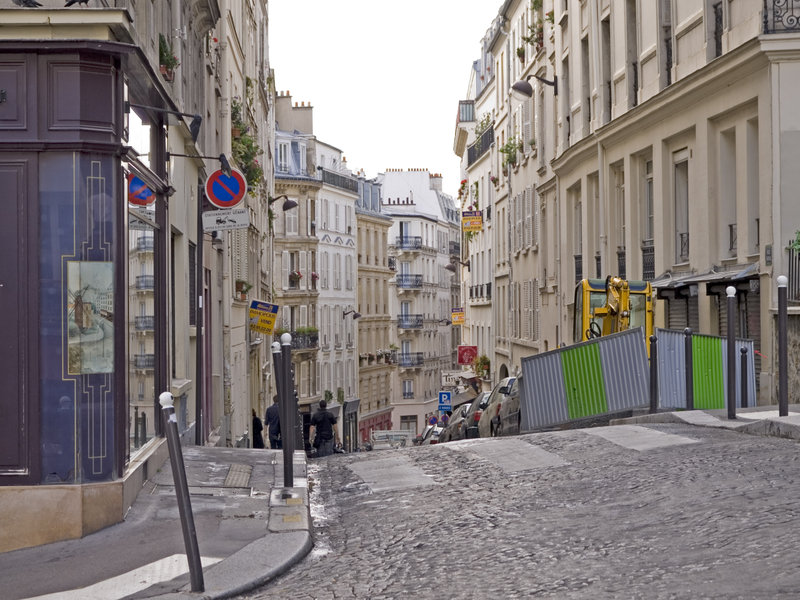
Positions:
(663, 511)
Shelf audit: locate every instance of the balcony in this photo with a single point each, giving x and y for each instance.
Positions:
(409, 243)
(793, 292)
(648, 260)
(407, 281)
(578, 267)
(146, 362)
(480, 147)
(343, 182)
(621, 264)
(146, 323)
(410, 360)
(145, 283)
(683, 246)
(409, 321)
(781, 16)
(408, 395)
(145, 243)
(305, 341)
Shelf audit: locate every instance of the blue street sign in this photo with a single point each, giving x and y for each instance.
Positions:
(138, 192)
(444, 401)
(224, 191)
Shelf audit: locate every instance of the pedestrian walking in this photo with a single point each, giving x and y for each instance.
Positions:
(274, 424)
(258, 427)
(322, 430)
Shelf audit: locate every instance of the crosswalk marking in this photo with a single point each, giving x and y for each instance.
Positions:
(511, 455)
(393, 473)
(635, 437)
(132, 581)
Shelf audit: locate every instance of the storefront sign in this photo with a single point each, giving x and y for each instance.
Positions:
(467, 354)
(262, 316)
(471, 220)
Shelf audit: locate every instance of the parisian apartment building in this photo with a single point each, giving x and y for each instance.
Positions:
(648, 140)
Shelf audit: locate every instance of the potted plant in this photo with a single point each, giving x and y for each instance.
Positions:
(295, 276)
(521, 53)
(167, 61)
(242, 287)
(481, 365)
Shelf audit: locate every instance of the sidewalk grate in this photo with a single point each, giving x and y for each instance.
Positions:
(238, 476)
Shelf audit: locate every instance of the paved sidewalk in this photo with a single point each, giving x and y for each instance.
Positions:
(249, 530)
(757, 420)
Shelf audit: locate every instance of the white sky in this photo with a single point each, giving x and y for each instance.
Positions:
(384, 76)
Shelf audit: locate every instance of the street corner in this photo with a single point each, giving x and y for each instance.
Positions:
(289, 510)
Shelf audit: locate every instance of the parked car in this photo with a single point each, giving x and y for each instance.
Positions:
(422, 436)
(433, 435)
(488, 423)
(473, 416)
(509, 417)
(455, 429)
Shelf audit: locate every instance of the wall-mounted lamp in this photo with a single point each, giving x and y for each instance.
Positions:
(445, 321)
(524, 87)
(225, 166)
(355, 313)
(194, 126)
(452, 266)
(288, 204)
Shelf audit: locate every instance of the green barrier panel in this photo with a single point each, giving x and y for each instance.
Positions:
(583, 381)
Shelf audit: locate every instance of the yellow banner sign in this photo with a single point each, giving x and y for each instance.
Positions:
(262, 316)
(457, 316)
(471, 220)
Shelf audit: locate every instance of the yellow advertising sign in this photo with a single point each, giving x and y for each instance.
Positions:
(262, 316)
(457, 316)
(471, 220)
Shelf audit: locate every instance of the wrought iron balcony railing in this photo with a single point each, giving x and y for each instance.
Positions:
(578, 267)
(409, 242)
(409, 281)
(410, 359)
(480, 146)
(648, 260)
(144, 361)
(338, 180)
(793, 291)
(145, 243)
(145, 282)
(781, 16)
(683, 246)
(409, 321)
(145, 323)
(305, 341)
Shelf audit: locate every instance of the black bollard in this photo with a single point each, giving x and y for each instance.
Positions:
(744, 377)
(689, 368)
(182, 492)
(731, 292)
(288, 412)
(653, 374)
(783, 366)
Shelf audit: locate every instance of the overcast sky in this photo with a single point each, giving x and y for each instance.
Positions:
(384, 76)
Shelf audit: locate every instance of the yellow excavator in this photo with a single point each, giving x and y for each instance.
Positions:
(605, 306)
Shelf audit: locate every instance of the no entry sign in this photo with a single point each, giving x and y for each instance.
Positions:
(223, 191)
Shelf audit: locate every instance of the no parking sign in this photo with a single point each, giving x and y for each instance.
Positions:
(225, 191)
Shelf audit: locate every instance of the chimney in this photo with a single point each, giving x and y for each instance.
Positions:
(436, 181)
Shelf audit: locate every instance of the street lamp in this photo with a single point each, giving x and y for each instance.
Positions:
(355, 313)
(524, 88)
(225, 166)
(452, 266)
(288, 204)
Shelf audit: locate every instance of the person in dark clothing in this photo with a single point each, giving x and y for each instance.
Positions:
(323, 432)
(274, 424)
(258, 427)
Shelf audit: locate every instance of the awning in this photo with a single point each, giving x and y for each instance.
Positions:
(467, 375)
(737, 273)
(465, 396)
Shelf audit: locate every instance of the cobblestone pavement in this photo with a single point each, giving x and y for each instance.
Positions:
(697, 513)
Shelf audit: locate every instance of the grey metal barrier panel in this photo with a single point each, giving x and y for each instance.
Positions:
(624, 367)
(672, 371)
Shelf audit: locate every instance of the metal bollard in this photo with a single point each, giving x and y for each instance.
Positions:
(182, 492)
(653, 374)
(744, 377)
(783, 366)
(288, 413)
(731, 292)
(689, 368)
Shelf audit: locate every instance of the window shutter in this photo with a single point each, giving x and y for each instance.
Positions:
(526, 290)
(303, 316)
(304, 270)
(526, 123)
(536, 213)
(536, 311)
(285, 269)
(528, 217)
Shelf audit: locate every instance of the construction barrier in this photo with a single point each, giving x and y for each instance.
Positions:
(605, 375)
(709, 370)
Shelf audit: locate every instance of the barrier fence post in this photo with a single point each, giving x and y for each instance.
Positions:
(689, 368)
(182, 492)
(783, 362)
(744, 377)
(731, 292)
(653, 374)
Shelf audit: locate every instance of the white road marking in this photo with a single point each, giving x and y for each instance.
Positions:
(635, 437)
(511, 455)
(394, 473)
(132, 581)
